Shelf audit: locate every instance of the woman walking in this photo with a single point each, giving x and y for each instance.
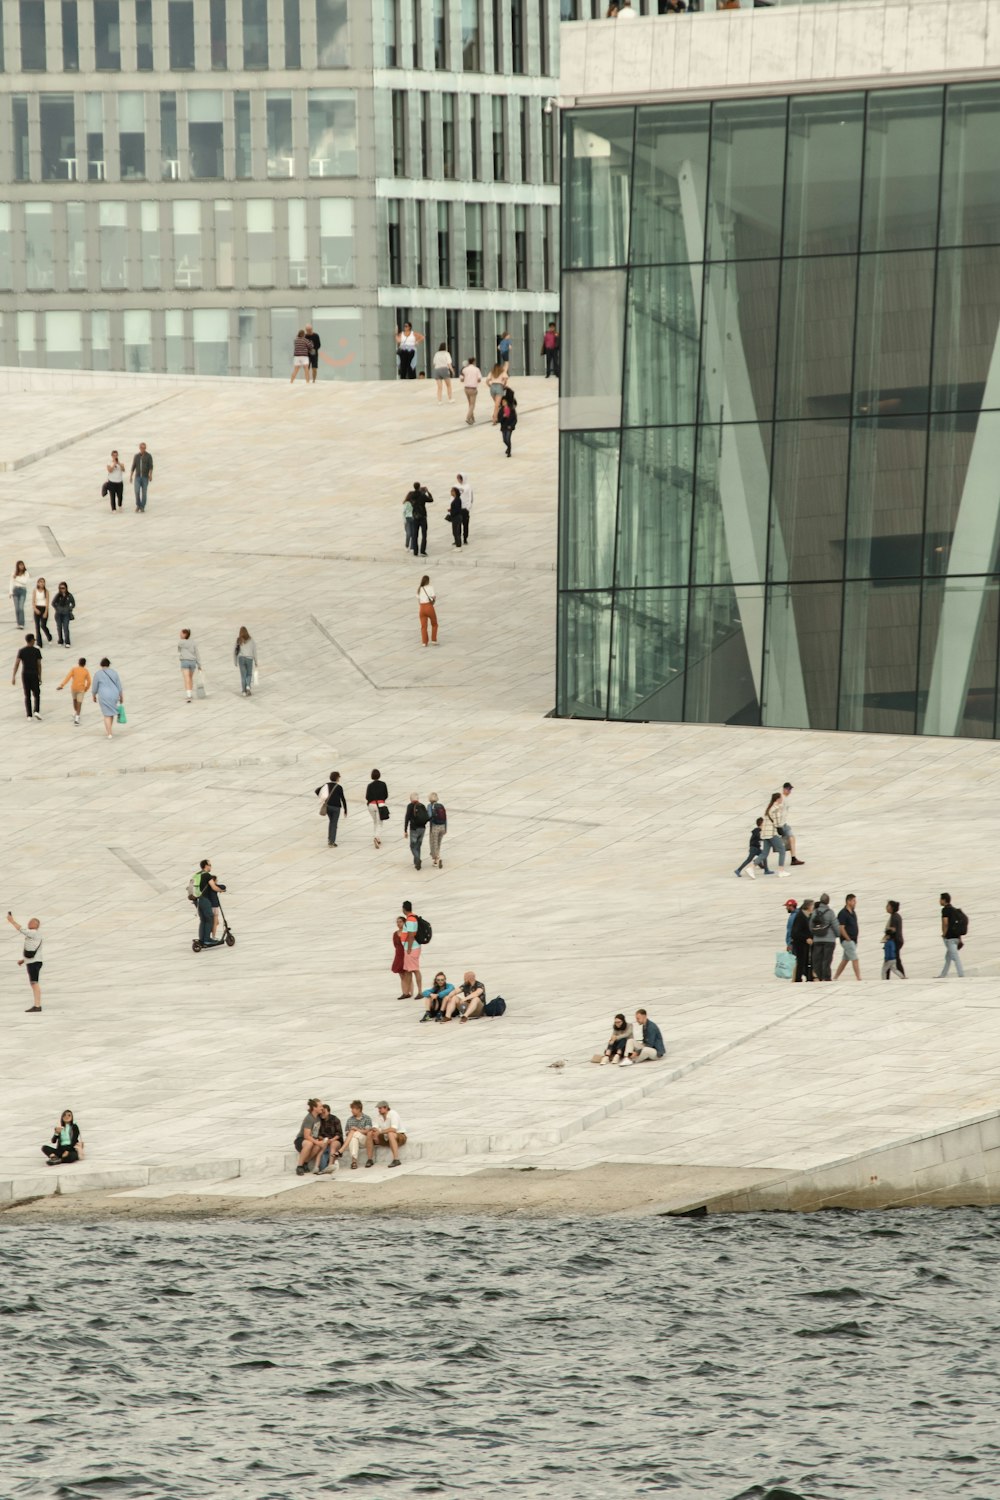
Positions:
(108, 693)
(508, 418)
(892, 940)
(425, 599)
(376, 796)
(472, 379)
(245, 657)
(20, 583)
(498, 384)
(406, 350)
(334, 803)
(771, 839)
(405, 980)
(63, 605)
(115, 481)
(190, 661)
(301, 349)
(437, 827)
(40, 608)
(66, 1144)
(443, 370)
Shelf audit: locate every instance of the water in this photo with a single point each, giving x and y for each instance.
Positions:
(818, 1357)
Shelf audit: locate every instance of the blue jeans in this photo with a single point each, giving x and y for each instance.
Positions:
(141, 484)
(416, 840)
(752, 855)
(246, 672)
(333, 814)
(204, 920)
(775, 844)
(951, 957)
(19, 597)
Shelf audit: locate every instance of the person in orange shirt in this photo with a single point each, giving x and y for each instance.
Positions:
(80, 678)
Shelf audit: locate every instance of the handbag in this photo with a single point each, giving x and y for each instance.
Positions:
(324, 803)
(256, 677)
(104, 490)
(784, 965)
(383, 812)
(201, 691)
(121, 714)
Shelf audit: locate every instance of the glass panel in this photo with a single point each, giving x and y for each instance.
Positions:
(260, 242)
(217, 37)
(285, 321)
(26, 350)
(254, 38)
(33, 36)
(187, 242)
(340, 330)
(440, 34)
(966, 363)
(173, 341)
(661, 378)
(247, 336)
(722, 663)
(38, 246)
(144, 36)
(149, 244)
(448, 135)
(962, 534)
(654, 513)
(100, 340)
(64, 340)
(390, 25)
(878, 672)
(225, 247)
(107, 36)
(19, 116)
(58, 137)
(132, 134)
(970, 203)
(588, 509)
(895, 294)
(298, 248)
(70, 36)
(591, 389)
(293, 39)
(816, 336)
(886, 499)
(596, 171)
(584, 647)
(746, 179)
(180, 30)
(474, 244)
(113, 241)
(808, 500)
(333, 133)
(823, 188)
(647, 657)
(94, 116)
(730, 530)
(169, 164)
(336, 241)
(668, 197)
(244, 136)
(280, 152)
(331, 33)
(210, 326)
(739, 324)
(138, 334)
(958, 658)
(902, 166)
(205, 133)
(6, 257)
(803, 630)
(470, 36)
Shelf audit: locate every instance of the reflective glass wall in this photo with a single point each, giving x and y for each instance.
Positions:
(780, 412)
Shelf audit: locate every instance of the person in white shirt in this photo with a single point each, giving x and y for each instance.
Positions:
(625, 11)
(115, 481)
(387, 1131)
(20, 583)
(443, 370)
(32, 958)
(472, 379)
(406, 349)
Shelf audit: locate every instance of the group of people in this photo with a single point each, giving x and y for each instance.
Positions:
(60, 606)
(421, 818)
(415, 503)
(811, 931)
(193, 673)
(322, 1140)
(305, 354)
(772, 833)
(628, 1043)
(140, 475)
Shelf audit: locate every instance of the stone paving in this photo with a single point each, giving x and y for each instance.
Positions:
(588, 866)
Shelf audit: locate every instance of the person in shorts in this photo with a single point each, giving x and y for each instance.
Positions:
(31, 958)
(314, 341)
(847, 922)
(387, 1131)
(301, 350)
(79, 677)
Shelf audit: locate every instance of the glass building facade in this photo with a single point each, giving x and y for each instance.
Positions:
(780, 445)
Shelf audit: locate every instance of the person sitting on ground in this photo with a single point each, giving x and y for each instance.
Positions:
(468, 1000)
(435, 997)
(621, 1035)
(309, 1142)
(648, 1044)
(66, 1144)
(332, 1137)
(387, 1131)
(356, 1128)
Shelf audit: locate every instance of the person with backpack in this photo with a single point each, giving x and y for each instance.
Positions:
(823, 931)
(415, 820)
(892, 942)
(801, 942)
(437, 822)
(416, 934)
(754, 854)
(203, 889)
(507, 417)
(954, 926)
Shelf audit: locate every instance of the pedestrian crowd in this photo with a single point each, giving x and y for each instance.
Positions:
(415, 518)
(322, 1140)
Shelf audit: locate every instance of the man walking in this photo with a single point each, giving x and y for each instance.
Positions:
(550, 348)
(437, 822)
(28, 662)
(786, 828)
(141, 473)
(847, 922)
(419, 497)
(823, 930)
(414, 822)
(314, 341)
(954, 926)
(465, 494)
(31, 958)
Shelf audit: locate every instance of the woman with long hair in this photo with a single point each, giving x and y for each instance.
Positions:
(63, 605)
(771, 838)
(893, 958)
(508, 417)
(20, 583)
(245, 657)
(621, 1035)
(498, 384)
(40, 609)
(66, 1144)
(376, 796)
(189, 659)
(428, 614)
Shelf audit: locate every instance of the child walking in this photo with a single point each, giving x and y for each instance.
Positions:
(80, 678)
(754, 855)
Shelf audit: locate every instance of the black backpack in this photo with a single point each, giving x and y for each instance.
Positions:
(440, 814)
(424, 931)
(495, 1007)
(418, 815)
(959, 923)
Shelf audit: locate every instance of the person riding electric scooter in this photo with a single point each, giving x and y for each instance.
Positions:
(206, 898)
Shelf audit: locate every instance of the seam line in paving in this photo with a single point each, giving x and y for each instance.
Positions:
(12, 466)
(345, 654)
(138, 869)
(49, 538)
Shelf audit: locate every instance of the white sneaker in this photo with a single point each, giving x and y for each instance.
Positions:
(626, 1062)
(604, 1061)
(782, 874)
(749, 874)
(76, 718)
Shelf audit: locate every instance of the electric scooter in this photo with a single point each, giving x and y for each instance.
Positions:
(227, 940)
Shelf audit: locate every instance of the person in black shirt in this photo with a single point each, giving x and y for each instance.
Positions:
(336, 803)
(951, 935)
(802, 942)
(313, 340)
(376, 796)
(847, 926)
(28, 662)
(414, 823)
(419, 497)
(454, 516)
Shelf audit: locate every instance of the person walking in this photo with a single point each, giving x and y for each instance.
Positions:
(550, 351)
(415, 821)
(428, 614)
(28, 662)
(63, 606)
(190, 661)
(504, 346)
(437, 824)
(141, 474)
(847, 922)
(80, 678)
(753, 853)
(823, 930)
(40, 610)
(786, 828)
(771, 838)
(376, 798)
(465, 490)
(333, 804)
(954, 926)
(31, 958)
(245, 657)
(508, 418)
(419, 497)
(108, 693)
(301, 349)
(892, 938)
(20, 583)
(443, 370)
(472, 379)
(802, 942)
(115, 481)
(498, 384)
(454, 516)
(314, 341)
(406, 351)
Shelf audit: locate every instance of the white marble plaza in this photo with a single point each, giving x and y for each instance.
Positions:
(588, 866)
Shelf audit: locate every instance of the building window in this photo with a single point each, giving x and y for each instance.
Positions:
(293, 35)
(149, 245)
(525, 114)
(93, 114)
(64, 340)
(440, 35)
(280, 148)
(470, 36)
(260, 241)
(173, 340)
(33, 36)
(421, 233)
(58, 137)
(247, 336)
(336, 241)
(205, 134)
(395, 242)
(113, 245)
(474, 245)
(298, 243)
(333, 133)
(6, 261)
(425, 135)
(499, 157)
(180, 34)
(210, 326)
(244, 134)
(418, 50)
(38, 246)
(19, 117)
(331, 33)
(448, 135)
(144, 36)
(548, 260)
(107, 36)
(137, 328)
(187, 243)
(390, 22)
(474, 137)
(517, 36)
(548, 144)
(218, 40)
(255, 55)
(399, 98)
(543, 38)
(70, 37)
(76, 242)
(498, 15)
(444, 245)
(170, 166)
(132, 135)
(520, 246)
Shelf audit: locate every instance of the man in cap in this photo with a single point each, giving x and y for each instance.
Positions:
(387, 1131)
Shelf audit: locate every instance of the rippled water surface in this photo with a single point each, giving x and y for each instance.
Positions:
(832, 1355)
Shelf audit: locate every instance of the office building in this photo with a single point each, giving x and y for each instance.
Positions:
(184, 183)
